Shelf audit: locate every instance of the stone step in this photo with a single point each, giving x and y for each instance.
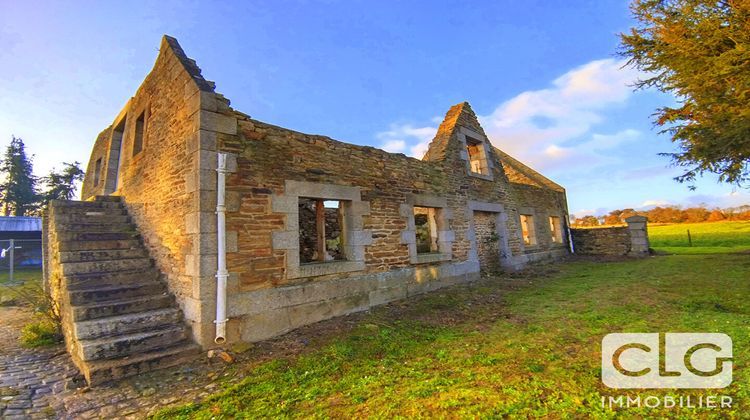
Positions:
(92, 280)
(107, 199)
(128, 344)
(95, 227)
(98, 245)
(117, 292)
(105, 266)
(121, 307)
(91, 211)
(68, 205)
(127, 324)
(103, 371)
(96, 236)
(91, 219)
(124, 320)
(104, 254)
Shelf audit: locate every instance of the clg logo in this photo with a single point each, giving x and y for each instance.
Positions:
(671, 360)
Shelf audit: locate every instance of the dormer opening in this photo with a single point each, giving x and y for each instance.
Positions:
(477, 156)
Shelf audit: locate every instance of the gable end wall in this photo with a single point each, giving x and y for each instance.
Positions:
(169, 187)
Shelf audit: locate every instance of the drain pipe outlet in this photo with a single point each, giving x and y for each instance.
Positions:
(221, 272)
(570, 237)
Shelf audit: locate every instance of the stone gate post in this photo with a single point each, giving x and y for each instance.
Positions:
(637, 227)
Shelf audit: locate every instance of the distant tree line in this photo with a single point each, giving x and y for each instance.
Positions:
(22, 193)
(669, 214)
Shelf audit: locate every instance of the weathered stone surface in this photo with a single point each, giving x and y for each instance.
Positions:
(166, 181)
(601, 241)
(618, 240)
(170, 189)
(126, 324)
(117, 315)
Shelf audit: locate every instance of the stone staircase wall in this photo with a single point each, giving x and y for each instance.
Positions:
(118, 317)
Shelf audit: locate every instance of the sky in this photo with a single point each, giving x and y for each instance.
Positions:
(543, 77)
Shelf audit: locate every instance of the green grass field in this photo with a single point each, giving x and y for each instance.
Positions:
(707, 238)
(521, 347)
(24, 279)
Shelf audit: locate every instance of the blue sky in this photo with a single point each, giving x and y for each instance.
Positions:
(542, 76)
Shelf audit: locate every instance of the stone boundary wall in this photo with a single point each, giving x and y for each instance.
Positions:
(631, 240)
(270, 292)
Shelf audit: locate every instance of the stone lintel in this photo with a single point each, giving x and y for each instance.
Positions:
(422, 200)
(485, 206)
(323, 191)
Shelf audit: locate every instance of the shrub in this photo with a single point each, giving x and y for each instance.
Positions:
(40, 334)
(47, 331)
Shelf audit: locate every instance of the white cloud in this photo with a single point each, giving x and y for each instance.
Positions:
(394, 146)
(655, 203)
(594, 151)
(589, 212)
(610, 141)
(396, 139)
(536, 126)
(731, 199)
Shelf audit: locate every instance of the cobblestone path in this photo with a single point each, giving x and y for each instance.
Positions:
(43, 383)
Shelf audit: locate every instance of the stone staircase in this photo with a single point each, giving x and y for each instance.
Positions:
(119, 319)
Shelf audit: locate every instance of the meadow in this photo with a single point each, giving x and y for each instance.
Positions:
(511, 345)
(25, 280)
(707, 237)
(523, 345)
(26, 290)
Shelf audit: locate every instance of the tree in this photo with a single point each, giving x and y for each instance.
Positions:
(613, 218)
(695, 215)
(587, 221)
(627, 213)
(62, 185)
(716, 216)
(18, 193)
(698, 51)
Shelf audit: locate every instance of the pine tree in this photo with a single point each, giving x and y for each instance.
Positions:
(62, 185)
(18, 194)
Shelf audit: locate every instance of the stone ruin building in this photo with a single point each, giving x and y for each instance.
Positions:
(202, 226)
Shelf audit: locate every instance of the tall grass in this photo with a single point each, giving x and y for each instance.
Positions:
(706, 238)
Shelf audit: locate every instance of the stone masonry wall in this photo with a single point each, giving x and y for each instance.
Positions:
(170, 190)
(487, 241)
(269, 157)
(542, 203)
(101, 150)
(629, 240)
(169, 183)
(601, 241)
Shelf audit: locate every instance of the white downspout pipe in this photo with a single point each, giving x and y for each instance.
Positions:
(221, 272)
(570, 236)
